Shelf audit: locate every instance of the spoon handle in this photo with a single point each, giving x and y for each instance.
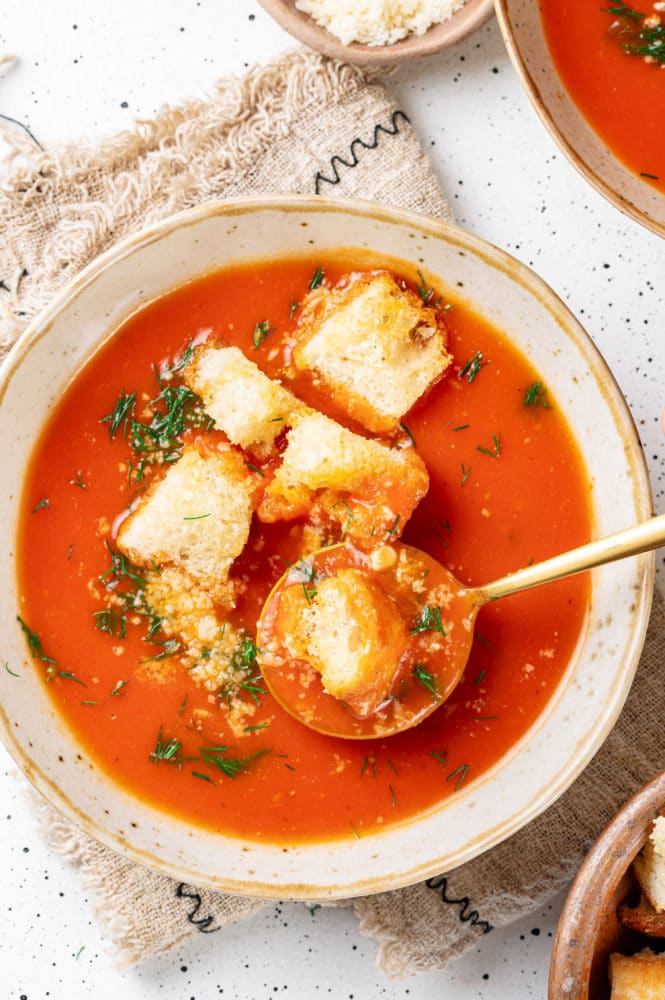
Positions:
(630, 542)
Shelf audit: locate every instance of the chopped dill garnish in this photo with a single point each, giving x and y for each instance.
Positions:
(183, 705)
(462, 771)
(120, 414)
(9, 670)
(88, 702)
(79, 481)
(309, 591)
(472, 367)
(229, 766)
(166, 750)
(166, 371)
(253, 688)
(440, 755)
(69, 551)
(255, 469)
(112, 621)
(170, 647)
(425, 293)
(317, 278)
(253, 729)
(196, 517)
(392, 767)
(244, 655)
(484, 718)
(349, 519)
(651, 177)
(290, 767)
(408, 434)
(393, 796)
(495, 452)
(293, 306)
(480, 678)
(44, 502)
(427, 680)
(68, 676)
(117, 690)
(203, 777)
(536, 395)
(355, 831)
(34, 643)
(261, 333)
(428, 620)
(637, 34)
(465, 474)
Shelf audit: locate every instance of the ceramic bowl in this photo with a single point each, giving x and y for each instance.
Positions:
(592, 691)
(472, 15)
(589, 929)
(522, 30)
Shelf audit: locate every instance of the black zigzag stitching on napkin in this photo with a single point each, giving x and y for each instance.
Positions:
(201, 923)
(465, 914)
(338, 161)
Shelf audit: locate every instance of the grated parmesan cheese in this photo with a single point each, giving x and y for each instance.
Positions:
(378, 22)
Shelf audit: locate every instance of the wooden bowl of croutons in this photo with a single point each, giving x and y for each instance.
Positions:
(610, 942)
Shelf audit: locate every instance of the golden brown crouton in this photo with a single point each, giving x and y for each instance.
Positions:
(649, 866)
(196, 518)
(637, 977)
(370, 489)
(249, 407)
(375, 346)
(353, 634)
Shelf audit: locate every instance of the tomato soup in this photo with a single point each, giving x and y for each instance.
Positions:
(507, 487)
(621, 95)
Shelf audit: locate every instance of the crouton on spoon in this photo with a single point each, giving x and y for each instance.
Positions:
(364, 645)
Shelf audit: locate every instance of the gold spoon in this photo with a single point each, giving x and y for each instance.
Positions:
(436, 637)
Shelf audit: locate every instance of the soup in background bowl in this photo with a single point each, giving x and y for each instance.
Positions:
(154, 775)
(601, 104)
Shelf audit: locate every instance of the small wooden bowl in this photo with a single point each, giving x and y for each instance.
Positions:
(472, 15)
(589, 929)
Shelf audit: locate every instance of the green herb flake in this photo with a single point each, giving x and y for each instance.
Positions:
(79, 481)
(203, 777)
(428, 620)
(493, 453)
(427, 680)
(465, 474)
(408, 434)
(393, 530)
(472, 367)
(427, 294)
(120, 414)
(293, 306)
(317, 278)
(441, 756)
(165, 750)
(68, 676)
(460, 773)
(34, 642)
(255, 468)
(636, 34)
(196, 517)
(231, 767)
(536, 395)
(392, 767)
(261, 333)
(44, 502)
(480, 678)
(117, 690)
(12, 673)
(393, 797)
(253, 729)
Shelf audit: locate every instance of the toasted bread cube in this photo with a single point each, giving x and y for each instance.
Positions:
(248, 406)
(637, 977)
(643, 918)
(375, 346)
(369, 489)
(649, 866)
(196, 518)
(354, 636)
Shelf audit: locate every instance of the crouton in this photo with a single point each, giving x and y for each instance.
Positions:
(248, 406)
(196, 518)
(649, 866)
(370, 489)
(643, 918)
(353, 634)
(637, 977)
(376, 347)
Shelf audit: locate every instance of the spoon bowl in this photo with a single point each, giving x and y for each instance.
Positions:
(437, 613)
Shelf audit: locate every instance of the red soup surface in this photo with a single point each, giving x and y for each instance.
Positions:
(507, 487)
(622, 96)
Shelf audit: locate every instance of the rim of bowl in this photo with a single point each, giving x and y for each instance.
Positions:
(438, 37)
(597, 183)
(492, 835)
(570, 962)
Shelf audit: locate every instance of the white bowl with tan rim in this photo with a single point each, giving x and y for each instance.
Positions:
(592, 691)
(523, 33)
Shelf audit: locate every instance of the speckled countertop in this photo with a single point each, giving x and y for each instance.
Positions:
(90, 69)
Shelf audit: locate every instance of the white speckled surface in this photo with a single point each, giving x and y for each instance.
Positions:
(90, 69)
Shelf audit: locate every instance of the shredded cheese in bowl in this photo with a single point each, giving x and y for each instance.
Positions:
(378, 22)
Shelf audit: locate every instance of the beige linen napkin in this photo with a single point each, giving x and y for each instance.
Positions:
(308, 125)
